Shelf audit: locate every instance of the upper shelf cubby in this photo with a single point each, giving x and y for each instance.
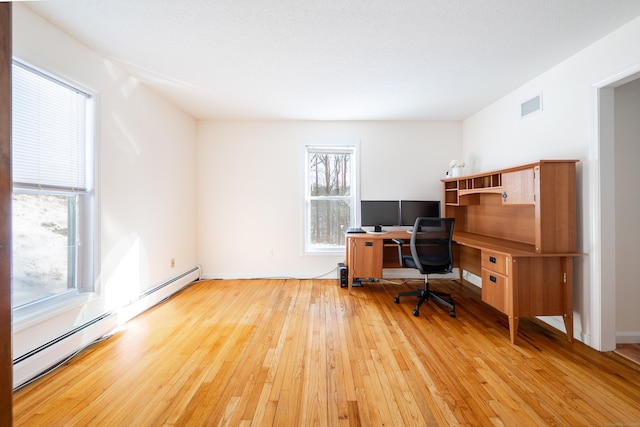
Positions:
(457, 188)
(481, 184)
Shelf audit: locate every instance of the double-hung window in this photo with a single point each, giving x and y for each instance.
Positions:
(330, 196)
(52, 168)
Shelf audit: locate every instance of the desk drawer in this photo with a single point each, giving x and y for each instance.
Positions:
(494, 289)
(494, 262)
(366, 260)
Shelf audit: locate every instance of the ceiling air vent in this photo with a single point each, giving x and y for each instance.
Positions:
(531, 106)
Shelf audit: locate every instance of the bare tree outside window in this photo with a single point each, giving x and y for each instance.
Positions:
(330, 196)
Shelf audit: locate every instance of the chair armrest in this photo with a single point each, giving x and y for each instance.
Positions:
(399, 242)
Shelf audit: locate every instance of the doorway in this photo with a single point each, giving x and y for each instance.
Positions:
(616, 291)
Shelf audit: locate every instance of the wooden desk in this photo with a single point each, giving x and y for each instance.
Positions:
(515, 280)
(515, 229)
(368, 253)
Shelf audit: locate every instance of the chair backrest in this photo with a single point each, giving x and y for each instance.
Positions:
(431, 244)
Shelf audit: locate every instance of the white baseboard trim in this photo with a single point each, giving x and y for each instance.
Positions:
(557, 322)
(554, 321)
(388, 273)
(157, 294)
(628, 337)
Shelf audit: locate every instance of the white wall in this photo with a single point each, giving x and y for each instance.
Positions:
(567, 127)
(146, 180)
(627, 196)
(251, 186)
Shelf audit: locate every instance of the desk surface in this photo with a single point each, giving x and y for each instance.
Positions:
(506, 247)
(478, 241)
(392, 234)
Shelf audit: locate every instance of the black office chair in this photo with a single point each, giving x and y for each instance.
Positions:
(430, 254)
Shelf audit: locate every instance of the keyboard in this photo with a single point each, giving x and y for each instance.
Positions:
(355, 230)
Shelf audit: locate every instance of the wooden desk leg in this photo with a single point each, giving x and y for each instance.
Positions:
(568, 294)
(513, 305)
(568, 324)
(513, 328)
(349, 281)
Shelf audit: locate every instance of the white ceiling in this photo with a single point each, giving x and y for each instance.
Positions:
(336, 59)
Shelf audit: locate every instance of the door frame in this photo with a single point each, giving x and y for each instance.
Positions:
(603, 210)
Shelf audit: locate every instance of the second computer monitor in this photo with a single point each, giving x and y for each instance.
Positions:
(412, 209)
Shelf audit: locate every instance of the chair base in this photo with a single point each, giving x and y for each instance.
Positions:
(424, 295)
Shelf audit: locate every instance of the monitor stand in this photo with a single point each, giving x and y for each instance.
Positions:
(377, 230)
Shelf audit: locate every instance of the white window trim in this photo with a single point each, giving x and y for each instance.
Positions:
(36, 311)
(355, 172)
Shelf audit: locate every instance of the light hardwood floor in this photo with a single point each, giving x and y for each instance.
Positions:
(630, 351)
(303, 352)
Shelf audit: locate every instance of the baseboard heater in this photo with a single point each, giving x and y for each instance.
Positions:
(61, 338)
(167, 283)
(47, 356)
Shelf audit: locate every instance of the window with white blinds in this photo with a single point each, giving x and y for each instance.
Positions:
(49, 132)
(53, 193)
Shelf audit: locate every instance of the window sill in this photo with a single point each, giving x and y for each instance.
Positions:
(331, 252)
(26, 316)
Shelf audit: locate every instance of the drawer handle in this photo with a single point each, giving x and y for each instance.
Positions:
(492, 259)
(494, 279)
(368, 243)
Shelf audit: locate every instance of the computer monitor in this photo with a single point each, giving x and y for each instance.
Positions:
(412, 209)
(379, 212)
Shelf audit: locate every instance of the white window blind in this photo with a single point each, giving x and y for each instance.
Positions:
(49, 144)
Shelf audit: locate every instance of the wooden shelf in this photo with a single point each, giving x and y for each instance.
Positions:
(480, 191)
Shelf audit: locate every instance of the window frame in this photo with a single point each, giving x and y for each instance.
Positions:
(354, 197)
(84, 216)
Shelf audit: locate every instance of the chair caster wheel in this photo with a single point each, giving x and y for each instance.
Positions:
(452, 313)
(396, 300)
(416, 313)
